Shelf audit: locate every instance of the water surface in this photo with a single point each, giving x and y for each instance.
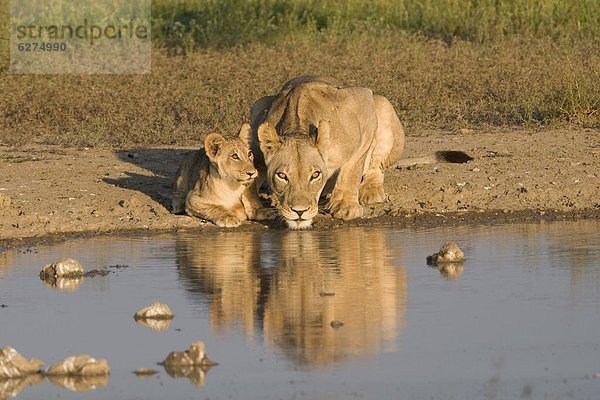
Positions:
(521, 320)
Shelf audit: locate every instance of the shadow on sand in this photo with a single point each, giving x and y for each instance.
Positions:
(160, 164)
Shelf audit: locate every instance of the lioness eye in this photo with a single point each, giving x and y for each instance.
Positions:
(315, 175)
(282, 176)
(235, 156)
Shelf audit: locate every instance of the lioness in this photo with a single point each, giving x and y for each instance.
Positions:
(315, 132)
(317, 138)
(215, 183)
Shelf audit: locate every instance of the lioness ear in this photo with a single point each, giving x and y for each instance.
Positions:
(245, 134)
(268, 138)
(322, 139)
(213, 144)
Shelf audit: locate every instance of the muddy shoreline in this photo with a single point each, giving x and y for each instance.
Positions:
(51, 192)
(423, 221)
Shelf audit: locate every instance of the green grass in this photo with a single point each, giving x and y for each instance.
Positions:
(188, 24)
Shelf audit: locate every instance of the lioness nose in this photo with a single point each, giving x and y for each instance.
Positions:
(299, 211)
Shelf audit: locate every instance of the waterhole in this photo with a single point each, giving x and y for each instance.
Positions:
(332, 314)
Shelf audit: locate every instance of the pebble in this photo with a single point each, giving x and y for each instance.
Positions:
(195, 355)
(449, 253)
(145, 371)
(80, 365)
(156, 310)
(63, 268)
(14, 365)
(5, 202)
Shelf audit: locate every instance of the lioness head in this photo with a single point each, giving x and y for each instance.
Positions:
(232, 156)
(296, 171)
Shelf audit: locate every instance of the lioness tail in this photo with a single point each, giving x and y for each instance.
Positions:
(447, 156)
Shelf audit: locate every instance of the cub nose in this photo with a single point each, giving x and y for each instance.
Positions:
(251, 174)
(299, 211)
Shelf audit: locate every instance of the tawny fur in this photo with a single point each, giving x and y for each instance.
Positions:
(347, 135)
(313, 126)
(216, 183)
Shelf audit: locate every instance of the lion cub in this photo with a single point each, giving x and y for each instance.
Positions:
(216, 182)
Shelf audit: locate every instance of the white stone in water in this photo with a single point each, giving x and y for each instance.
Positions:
(63, 268)
(14, 365)
(195, 355)
(80, 365)
(192, 364)
(154, 311)
(449, 253)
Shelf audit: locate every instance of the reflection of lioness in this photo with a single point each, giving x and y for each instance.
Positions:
(214, 183)
(316, 135)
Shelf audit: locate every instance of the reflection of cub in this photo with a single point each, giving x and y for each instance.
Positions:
(223, 268)
(215, 183)
(346, 278)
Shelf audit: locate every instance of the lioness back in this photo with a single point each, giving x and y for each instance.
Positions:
(210, 182)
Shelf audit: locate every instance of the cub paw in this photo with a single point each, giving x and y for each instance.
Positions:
(228, 221)
(346, 210)
(264, 214)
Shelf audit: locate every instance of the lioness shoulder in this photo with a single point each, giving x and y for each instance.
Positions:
(211, 183)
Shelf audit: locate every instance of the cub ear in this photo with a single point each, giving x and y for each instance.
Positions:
(322, 139)
(245, 134)
(213, 145)
(268, 138)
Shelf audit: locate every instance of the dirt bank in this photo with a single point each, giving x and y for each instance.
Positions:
(518, 174)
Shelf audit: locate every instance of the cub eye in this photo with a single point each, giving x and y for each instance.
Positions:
(282, 176)
(235, 156)
(250, 154)
(315, 175)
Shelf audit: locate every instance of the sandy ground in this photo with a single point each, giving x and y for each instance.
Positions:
(515, 175)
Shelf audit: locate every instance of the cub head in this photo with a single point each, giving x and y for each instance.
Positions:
(232, 156)
(296, 171)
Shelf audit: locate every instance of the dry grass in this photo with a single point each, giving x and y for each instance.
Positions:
(543, 76)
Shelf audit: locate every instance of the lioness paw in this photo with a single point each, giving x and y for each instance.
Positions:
(228, 221)
(371, 194)
(371, 189)
(346, 210)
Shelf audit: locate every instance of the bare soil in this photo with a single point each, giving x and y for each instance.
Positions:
(515, 175)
